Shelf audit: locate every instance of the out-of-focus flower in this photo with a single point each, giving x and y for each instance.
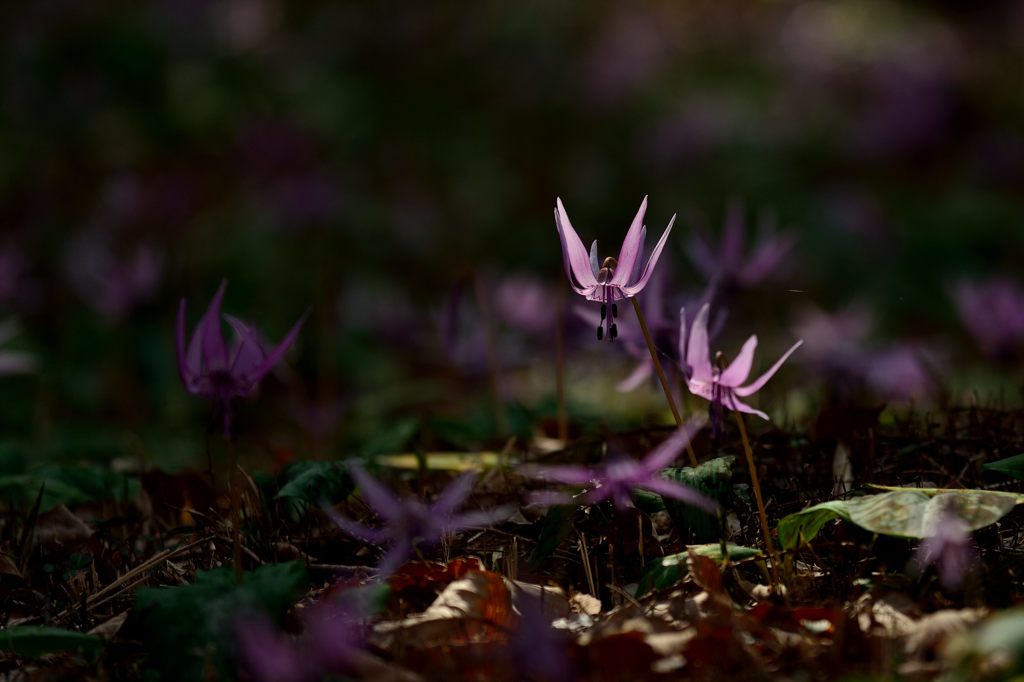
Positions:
(11, 361)
(113, 287)
(537, 650)
(838, 349)
(209, 368)
(722, 386)
(948, 547)
(616, 479)
(614, 279)
(726, 263)
(331, 644)
(523, 303)
(409, 522)
(993, 313)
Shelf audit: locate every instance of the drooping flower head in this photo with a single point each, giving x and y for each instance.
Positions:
(722, 386)
(409, 522)
(208, 367)
(612, 279)
(948, 546)
(616, 479)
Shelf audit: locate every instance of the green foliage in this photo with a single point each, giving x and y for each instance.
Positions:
(899, 512)
(310, 483)
(67, 484)
(668, 570)
(711, 478)
(1011, 466)
(36, 641)
(189, 629)
(556, 528)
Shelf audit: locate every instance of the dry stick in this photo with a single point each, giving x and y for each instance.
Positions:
(563, 415)
(661, 376)
(769, 549)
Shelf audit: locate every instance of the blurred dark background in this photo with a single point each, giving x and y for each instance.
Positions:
(393, 167)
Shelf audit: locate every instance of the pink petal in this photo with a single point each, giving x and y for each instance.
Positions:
(574, 254)
(454, 495)
(638, 376)
(631, 247)
(730, 401)
(187, 370)
(737, 372)
(375, 494)
(763, 379)
(637, 287)
(678, 491)
(666, 453)
(275, 355)
(698, 356)
(211, 337)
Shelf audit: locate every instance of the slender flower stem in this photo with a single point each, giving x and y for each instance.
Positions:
(661, 375)
(236, 525)
(769, 549)
(563, 415)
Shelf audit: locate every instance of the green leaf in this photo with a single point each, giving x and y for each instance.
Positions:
(557, 525)
(310, 483)
(1011, 466)
(185, 629)
(665, 572)
(68, 485)
(899, 512)
(711, 478)
(36, 641)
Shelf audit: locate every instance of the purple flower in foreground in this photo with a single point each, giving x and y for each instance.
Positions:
(332, 643)
(949, 548)
(993, 313)
(616, 479)
(726, 262)
(722, 386)
(613, 279)
(409, 522)
(209, 368)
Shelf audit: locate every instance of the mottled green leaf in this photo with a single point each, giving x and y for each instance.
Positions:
(1011, 466)
(712, 478)
(668, 570)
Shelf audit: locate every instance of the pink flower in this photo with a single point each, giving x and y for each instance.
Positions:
(722, 386)
(613, 279)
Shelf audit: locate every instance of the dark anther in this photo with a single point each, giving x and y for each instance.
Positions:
(615, 309)
(614, 331)
(604, 310)
(600, 332)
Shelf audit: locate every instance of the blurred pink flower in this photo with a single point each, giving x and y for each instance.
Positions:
(993, 313)
(948, 547)
(727, 262)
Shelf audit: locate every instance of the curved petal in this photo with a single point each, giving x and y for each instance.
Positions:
(666, 453)
(275, 355)
(211, 338)
(376, 495)
(395, 557)
(595, 258)
(678, 491)
(248, 351)
(638, 376)
(738, 371)
(763, 379)
(376, 536)
(632, 245)
(682, 342)
(730, 401)
(732, 238)
(454, 495)
(698, 355)
(637, 287)
(574, 254)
